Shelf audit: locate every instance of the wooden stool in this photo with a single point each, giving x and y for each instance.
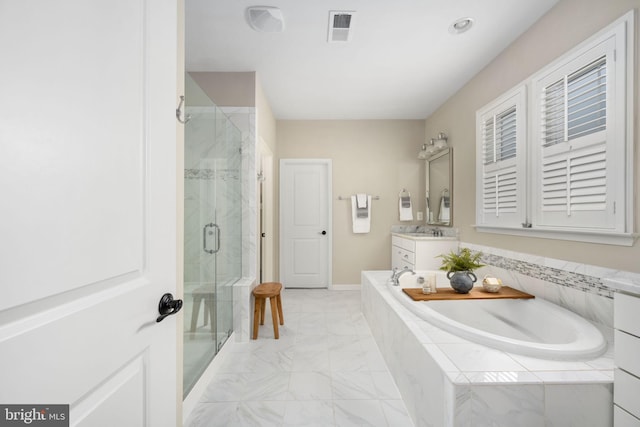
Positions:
(261, 292)
(204, 294)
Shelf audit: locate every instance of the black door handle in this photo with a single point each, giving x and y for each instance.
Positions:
(168, 306)
(323, 232)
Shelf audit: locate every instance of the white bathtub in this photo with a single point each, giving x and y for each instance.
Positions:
(464, 383)
(531, 327)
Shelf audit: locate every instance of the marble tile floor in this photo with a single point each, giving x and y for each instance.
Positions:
(325, 370)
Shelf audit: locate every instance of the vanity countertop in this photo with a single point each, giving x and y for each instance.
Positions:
(423, 236)
(628, 285)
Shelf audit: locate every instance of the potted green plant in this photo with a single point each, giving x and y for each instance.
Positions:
(460, 268)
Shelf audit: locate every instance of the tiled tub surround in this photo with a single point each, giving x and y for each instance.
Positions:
(584, 289)
(448, 381)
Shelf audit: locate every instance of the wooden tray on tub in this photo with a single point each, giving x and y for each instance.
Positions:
(476, 293)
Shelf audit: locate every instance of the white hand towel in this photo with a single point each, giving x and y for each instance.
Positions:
(360, 224)
(361, 200)
(443, 215)
(362, 207)
(405, 208)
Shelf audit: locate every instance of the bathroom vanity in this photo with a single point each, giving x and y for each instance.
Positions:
(419, 251)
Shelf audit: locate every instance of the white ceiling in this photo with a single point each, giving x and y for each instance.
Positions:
(402, 62)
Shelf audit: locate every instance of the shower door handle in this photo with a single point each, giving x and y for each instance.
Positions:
(215, 251)
(215, 230)
(204, 238)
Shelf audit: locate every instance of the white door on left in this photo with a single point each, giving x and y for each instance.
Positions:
(88, 211)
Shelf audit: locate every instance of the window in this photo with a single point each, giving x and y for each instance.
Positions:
(575, 105)
(574, 165)
(578, 134)
(501, 179)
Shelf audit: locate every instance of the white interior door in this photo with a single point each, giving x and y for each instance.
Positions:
(88, 218)
(305, 223)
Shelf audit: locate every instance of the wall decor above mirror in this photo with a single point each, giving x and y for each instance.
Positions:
(439, 188)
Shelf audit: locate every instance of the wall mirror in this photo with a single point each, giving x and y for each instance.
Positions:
(439, 188)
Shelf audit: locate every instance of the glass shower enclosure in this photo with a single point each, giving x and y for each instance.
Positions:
(212, 230)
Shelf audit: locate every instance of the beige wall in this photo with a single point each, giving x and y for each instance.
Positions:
(266, 132)
(378, 157)
(266, 123)
(565, 26)
(228, 89)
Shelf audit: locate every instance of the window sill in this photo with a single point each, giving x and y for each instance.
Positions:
(619, 239)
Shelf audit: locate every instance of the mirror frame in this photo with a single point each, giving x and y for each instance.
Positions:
(448, 151)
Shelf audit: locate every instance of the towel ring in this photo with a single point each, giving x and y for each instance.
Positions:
(405, 193)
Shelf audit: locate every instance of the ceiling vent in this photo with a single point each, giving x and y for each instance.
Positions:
(340, 26)
(265, 19)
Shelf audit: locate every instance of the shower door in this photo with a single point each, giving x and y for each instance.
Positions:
(212, 258)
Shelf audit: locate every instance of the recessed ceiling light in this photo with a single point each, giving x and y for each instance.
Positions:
(266, 19)
(461, 25)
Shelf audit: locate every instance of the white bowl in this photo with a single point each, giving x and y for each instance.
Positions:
(493, 287)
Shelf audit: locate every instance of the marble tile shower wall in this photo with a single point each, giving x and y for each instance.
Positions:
(199, 174)
(212, 180)
(244, 118)
(578, 287)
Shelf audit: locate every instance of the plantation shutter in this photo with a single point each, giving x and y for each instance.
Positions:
(501, 169)
(575, 105)
(575, 170)
(554, 157)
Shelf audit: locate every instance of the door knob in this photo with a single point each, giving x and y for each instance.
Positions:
(323, 232)
(168, 306)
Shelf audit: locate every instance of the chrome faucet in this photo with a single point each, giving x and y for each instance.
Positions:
(395, 276)
(436, 232)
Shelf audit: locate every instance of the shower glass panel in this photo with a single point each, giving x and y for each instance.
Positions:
(212, 230)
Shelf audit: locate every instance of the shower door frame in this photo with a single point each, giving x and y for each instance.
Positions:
(214, 159)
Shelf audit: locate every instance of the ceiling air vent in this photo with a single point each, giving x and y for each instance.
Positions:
(340, 26)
